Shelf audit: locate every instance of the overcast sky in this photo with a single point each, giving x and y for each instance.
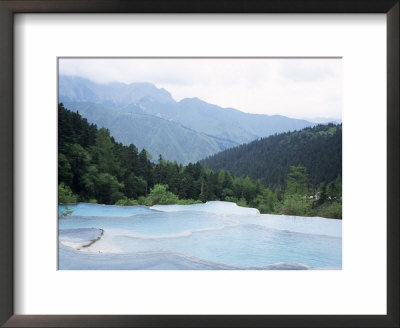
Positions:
(299, 88)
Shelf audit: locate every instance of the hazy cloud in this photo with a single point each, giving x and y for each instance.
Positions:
(300, 88)
(308, 70)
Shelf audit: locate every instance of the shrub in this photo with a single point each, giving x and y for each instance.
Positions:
(188, 201)
(331, 210)
(127, 202)
(65, 194)
(67, 211)
(159, 195)
(242, 202)
(295, 205)
(231, 199)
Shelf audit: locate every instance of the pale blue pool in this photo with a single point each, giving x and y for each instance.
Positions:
(216, 235)
(84, 209)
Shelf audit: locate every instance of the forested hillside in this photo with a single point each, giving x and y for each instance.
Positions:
(157, 135)
(318, 149)
(147, 116)
(93, 167)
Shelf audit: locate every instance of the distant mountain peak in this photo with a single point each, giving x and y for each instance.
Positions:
(75, 88)
(192, 100)
(215, 128)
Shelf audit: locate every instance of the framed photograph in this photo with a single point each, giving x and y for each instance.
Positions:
(147, 182)
(208, 164)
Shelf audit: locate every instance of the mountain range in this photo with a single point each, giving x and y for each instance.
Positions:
(186, 131)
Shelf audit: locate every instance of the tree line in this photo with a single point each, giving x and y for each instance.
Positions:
(318, 149)
(93, 167)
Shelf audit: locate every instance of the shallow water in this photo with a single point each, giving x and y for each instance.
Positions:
(215, 235)
(84, 209)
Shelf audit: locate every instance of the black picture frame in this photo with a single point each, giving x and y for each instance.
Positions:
(7, 200)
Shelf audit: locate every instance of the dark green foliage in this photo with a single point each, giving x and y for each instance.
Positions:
(299, 200)
(127, 202)
(318, 149)
(65, 194)
(94, 168)
(160, 195)
(296, 182)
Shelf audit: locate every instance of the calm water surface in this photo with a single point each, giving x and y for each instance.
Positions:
(201, 236)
